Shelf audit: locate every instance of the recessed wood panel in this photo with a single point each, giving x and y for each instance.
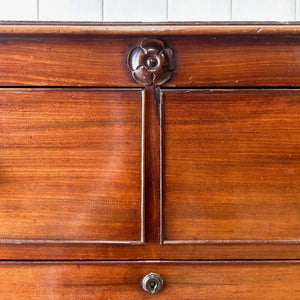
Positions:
(71, 164)
(231, 165)
(182, 280)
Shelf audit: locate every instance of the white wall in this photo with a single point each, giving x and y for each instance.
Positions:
(149, 10)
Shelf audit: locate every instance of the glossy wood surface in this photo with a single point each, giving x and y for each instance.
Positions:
(64, 61)
(71, 165)
(182, 280)
(102, 182)
(236, 61)
(152, 29)
(94, 60)
(152, 165)
(33, 250)
(231, 165)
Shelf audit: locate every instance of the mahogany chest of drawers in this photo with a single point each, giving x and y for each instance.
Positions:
(149, 161)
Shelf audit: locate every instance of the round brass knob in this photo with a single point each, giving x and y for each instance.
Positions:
(152, 283)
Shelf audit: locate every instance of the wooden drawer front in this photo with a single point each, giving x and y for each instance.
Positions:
(115, 281)
(232, 165)
(71, 164)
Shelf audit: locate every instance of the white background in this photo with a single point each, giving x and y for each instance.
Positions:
(149, 10)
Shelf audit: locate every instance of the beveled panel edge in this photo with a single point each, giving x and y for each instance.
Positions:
(252, 241)
(187, 28)
(143, 210)
(85, 243)
(59, 242)
(142, 207)
(154, 262)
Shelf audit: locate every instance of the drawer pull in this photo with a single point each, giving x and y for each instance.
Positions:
(152, 283)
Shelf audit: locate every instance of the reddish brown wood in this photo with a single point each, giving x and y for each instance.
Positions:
(231, 165)
(236, 61)
(148, 29)
(184, 280)
(71, 164)
(152, 165)
(81, 168)
(16, 250)
(200, 61)
(65, 61)
(151, 63)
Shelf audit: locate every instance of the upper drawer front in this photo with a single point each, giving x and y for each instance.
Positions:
(71, 165)
(232, 168)
(61, 60)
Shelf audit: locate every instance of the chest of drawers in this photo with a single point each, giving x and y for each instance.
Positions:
(149, 161)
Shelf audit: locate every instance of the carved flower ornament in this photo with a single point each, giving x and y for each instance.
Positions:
(151, 62)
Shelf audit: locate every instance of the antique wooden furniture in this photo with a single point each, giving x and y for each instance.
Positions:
(149, 161)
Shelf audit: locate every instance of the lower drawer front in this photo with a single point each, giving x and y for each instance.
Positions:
(182, 280)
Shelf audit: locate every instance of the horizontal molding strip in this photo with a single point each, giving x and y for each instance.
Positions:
(278, 28)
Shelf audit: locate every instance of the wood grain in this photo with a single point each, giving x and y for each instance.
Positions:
(149, 29)
(80, 168)
(231, 165)
(183, 280)
(37, 250)
(152, 165)
(71, 164)
(64, 61)
(236, 61)
(213, 60)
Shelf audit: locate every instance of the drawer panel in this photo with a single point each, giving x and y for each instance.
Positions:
(232, 166)
(71, 165)
(182, 280)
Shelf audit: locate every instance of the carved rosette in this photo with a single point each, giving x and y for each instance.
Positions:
(151, 62)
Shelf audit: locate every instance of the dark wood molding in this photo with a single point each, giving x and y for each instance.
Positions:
(150, 29)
